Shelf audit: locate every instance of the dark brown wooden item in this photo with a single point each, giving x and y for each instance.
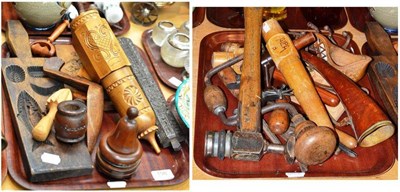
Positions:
(198, 16)
(8, 12)
(297, 17)
(70, 122)
(94, 100)
(384, 68)
(120, 151)
(378, 40)
(163, 70)
(358, 17)
(177, 162)
(370, 161)
(27, 91)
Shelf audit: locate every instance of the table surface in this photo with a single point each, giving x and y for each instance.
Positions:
(206, 28)
(177, 13)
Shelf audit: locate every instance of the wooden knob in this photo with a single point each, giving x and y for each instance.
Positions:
(279, 120)
(314, 145)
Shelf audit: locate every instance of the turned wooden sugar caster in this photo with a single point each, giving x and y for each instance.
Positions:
(120, 152)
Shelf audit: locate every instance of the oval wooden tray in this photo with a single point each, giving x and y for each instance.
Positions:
(162, 69)
(370, 161)
(8, 12)
(177, 162)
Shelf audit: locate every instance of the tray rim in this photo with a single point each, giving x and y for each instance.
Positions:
(200, 163)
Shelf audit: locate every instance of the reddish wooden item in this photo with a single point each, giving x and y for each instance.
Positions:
(370, 161)
(198, 16)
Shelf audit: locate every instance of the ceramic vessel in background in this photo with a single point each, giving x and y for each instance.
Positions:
(112, 11)
(184, 28)
(386, 16)
(161, 32)
(175, 51)
(70, 122)
(41, 15)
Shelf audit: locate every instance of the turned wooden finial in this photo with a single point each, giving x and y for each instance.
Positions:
(120, 152)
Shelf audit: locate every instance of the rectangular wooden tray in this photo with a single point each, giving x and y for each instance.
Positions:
(177, 162)
(370, 161)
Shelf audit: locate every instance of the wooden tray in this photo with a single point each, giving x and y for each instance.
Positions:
(163, 70)
(297, 17)
(198, 16)
(177, 162)
(8, 12)
(370, 161)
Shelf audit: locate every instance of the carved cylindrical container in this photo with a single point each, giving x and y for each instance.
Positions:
(70, 122)
(106, 63)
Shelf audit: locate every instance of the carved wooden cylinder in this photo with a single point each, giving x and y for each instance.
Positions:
(106, 63)
(70, 122)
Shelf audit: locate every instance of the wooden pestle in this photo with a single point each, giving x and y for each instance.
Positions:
(287, 60)
(42, 129)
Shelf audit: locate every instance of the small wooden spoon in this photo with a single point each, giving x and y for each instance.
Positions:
(46, 48)
(42, 129)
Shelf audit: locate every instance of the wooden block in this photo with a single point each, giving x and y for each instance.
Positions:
(383, 72)
(27, 91)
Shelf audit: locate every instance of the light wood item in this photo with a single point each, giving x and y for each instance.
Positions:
(287, 60)
(352, 65)
(228, 75)
(42, 129)
(106, 63)
(250, 81)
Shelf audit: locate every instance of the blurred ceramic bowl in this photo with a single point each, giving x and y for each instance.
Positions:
(386, 16)
(41, 15)
(175, 51)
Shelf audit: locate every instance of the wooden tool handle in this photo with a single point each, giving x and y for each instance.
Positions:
(288, 61)
(327, 97)
(57, 32)
(42, 129)
(250, 85)
(279, 119)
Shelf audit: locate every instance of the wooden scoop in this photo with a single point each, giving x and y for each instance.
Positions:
(352, 65)
(42, 129)
(46, 48)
